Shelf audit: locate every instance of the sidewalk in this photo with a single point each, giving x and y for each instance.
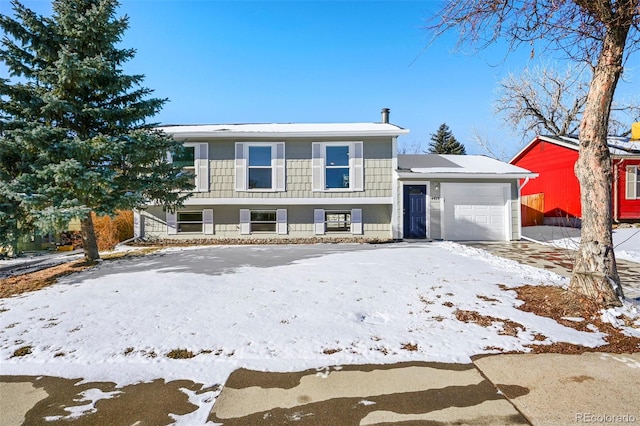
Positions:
(536, 251)
(541, 389)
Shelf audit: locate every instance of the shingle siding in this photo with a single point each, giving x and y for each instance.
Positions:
(378, 174)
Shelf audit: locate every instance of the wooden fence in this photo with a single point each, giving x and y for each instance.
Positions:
(532, 208)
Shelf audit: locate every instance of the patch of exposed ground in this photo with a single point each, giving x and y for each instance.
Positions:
(559, 304)
(33, 281)
(509, 328)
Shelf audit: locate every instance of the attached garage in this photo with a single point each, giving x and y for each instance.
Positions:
(475, 211)
(466, 198)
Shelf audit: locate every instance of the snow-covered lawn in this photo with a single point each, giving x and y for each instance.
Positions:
(626, 241)
(282, 308)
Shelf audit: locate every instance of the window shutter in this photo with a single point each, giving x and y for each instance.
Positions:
(245, 221)
(241, 168)
(207, 221)
(172, 223)
(281, 219)
(356, 221)
(357, 166)
(202, 167)
(137, 225)
(318, 221)
(280, 167)
(317, 167)
(632, 176)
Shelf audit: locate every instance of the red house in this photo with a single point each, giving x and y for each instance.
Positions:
(554, 157)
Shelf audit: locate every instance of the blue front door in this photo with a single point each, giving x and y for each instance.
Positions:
(415, 211)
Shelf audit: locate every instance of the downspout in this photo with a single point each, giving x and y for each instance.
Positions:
(526, 181)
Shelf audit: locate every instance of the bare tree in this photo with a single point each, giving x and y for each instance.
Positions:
(489, 146)
(543, 100)
(600, 33)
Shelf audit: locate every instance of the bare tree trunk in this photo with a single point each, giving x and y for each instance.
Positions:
(595, 273)
(89, 243)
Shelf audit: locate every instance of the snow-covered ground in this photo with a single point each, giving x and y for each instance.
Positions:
(275, 308)
(626, 241)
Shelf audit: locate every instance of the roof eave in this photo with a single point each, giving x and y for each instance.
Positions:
(293, 134)
(467, 175)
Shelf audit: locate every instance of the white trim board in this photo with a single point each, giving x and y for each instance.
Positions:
(288, 201)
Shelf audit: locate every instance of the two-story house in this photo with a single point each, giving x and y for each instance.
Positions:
(331, 181)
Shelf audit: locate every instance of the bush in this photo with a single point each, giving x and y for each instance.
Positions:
(111, 231)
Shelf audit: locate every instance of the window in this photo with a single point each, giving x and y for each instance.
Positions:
(337, 221)
(633, 183)
(337, 166)
(194, 158)
(186, 160)
(260, 166)
(263, 221)
(189, 222)
(260, 170)
(200, 222)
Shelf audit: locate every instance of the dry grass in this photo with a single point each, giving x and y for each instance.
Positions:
(509, 328)
(22, 351)
(180, 354)
(110, 231)
(556, 303)
(36, 280)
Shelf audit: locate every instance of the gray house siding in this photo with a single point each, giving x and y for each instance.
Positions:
(377, 153)
(376, 220)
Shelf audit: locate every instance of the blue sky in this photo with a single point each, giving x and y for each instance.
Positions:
(315, 61)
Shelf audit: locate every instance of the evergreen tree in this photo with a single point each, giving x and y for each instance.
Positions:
(74, 136)
(443, 142)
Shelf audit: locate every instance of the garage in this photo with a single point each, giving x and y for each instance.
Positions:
(476, 211)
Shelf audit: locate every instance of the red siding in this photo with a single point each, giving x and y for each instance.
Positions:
(627, 209)
(556, 179)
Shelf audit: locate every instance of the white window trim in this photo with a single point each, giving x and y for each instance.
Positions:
(338, 231)
(631, 183)
(320, 225)
(201, 164)
(356, 166)
(278, 166)
(207, 222)
(280, 222)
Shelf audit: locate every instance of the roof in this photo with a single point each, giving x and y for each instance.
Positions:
(618, 146)
(457, 166)
(284, 130)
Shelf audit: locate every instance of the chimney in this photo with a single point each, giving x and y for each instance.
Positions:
(385, 115)
(635, 131)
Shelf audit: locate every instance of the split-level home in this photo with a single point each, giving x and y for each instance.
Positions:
(331, 181)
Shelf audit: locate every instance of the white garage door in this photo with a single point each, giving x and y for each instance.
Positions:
(475, 211)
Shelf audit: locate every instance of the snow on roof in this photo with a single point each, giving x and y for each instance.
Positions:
(618, 145)
(284, 129)
(442, 166)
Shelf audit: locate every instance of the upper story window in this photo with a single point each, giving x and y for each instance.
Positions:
(260, 166)
(336, 174)
(186, 160)
(338, 166)
(633, 183)
(194, 158)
